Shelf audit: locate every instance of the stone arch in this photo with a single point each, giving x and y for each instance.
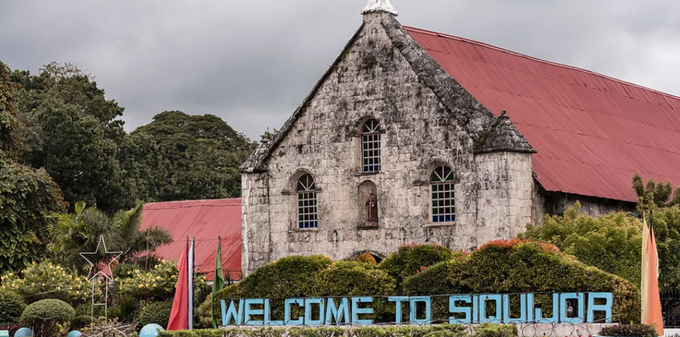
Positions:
(376, 255)
(292, 182)
(432, 165)
(358, 126)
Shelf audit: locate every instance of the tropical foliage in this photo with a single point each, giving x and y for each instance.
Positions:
(46, 280)
(81, 231)
(610, 242)
(158, 284)
(28, 196)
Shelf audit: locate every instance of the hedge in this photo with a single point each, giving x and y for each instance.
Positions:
(288, 277)
(45, 316)
(155, 313)
(517, 266)
(11, 306)
(412, 258)
(444, 330)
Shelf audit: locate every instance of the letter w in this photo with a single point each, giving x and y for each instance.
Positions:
(227, 315)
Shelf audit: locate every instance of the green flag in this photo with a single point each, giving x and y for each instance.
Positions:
(218, 280)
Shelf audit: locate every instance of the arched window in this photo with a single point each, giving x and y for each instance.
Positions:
(370, 146)
(307, 208)
(443, 200)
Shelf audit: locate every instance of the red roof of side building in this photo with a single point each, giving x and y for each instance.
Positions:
(591, 132)
(206, 220)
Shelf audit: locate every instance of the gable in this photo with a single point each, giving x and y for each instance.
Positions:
(461, 106)
(592, 133)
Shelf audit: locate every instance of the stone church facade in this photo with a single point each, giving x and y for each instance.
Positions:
(389, 149)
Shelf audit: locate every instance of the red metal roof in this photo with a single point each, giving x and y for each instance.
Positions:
(205, 220)
(592, 132)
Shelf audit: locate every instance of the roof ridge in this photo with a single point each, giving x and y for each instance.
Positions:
(533, 58)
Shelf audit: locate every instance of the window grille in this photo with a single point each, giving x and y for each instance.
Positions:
(442, 195)
(307, 206)
(370, 146)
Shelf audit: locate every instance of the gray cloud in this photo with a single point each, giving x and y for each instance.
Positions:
(252, 62)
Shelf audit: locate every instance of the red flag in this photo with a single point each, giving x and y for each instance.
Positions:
(180, 305)
(651, 302)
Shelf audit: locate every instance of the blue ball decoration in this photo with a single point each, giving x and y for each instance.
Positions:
(150, 330)
(74, 333)
(24, 332)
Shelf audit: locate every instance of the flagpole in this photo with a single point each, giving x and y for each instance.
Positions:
(190, 288)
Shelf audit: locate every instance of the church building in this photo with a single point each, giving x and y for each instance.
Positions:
(413, 136)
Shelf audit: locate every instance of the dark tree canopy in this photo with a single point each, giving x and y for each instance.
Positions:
(9, 142)
(28, 196)
(184, 157)
(72, 132)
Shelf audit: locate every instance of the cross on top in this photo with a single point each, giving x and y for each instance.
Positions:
(379, 6)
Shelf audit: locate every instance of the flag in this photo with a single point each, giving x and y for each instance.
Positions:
(651, 301)
(180, 305)
(218, 279)
(190, 290)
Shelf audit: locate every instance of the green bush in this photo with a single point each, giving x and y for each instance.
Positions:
(46, 280)
(209, 333)
(11, 306)
(157, 284)
(352, 278)
(46, 317)
(204, 312)
(495, 330)
(610, 242)
(81, 322)
(316, 332)
(288, 277)
(411, 259)
(629, 330)
(155, 313)
(517, 266)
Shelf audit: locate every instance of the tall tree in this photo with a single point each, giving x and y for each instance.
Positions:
(199, 157)
(73, 132)
(28, 197)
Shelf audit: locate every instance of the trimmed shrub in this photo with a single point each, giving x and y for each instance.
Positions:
(81, 322)
(158, 313)
(46, 316)
(205, 312)
(495, 330)
(518, 266)
(11, 306)
(629, 330)
(316, 332)
(411, 259)
(287, 277)
(209, 333)
(352, 278)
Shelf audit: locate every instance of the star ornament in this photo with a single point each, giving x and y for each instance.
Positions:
(91, 256)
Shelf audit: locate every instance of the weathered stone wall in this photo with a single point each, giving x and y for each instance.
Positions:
(255, 234)
(505, 194)
(373, 79)
(558, 203)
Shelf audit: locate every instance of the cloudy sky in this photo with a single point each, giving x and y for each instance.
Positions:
(252, 62)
